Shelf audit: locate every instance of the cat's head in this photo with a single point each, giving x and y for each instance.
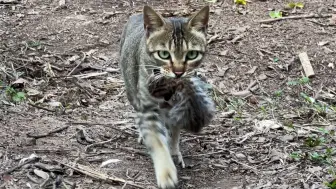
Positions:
(178, 45)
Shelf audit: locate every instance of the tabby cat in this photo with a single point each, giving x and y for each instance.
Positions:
(158, 59)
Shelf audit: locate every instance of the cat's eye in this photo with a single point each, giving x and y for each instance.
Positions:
(164, 54)
(191, 55)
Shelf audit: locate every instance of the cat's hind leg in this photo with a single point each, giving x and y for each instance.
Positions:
(174, 143)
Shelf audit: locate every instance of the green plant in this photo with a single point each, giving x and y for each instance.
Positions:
(325, 157)
(293, 5)
(320, 108)
(240, 2)
(331, 184)
(14, 95)
(302, 81)
(263, 109)
(278, 93)
(33, 44)
(275, 14)
(314, 140)
(296, 156)
(237, 104)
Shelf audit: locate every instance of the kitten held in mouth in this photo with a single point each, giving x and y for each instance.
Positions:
(158, 58)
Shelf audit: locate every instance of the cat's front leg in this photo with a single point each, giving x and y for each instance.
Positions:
(175, 144)
(154, 137)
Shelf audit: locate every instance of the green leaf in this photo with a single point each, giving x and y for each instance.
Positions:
(278, 93)
(292, 83)
(324, 131)
(240, 2)
(34, 43)
(304, 80)
(275, 14)
(308, 98)
(300, 5)
(18, 97)
(291, 5)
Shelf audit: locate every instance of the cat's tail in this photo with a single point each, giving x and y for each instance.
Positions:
(195, 109)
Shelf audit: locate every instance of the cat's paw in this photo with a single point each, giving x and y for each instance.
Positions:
(166, 174)
(140, 140)
(179, 156)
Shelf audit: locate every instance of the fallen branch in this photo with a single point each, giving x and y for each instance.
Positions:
(295, 17)
(99, 176)
(47, 134)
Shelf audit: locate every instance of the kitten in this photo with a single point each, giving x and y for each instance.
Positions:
(158, 57)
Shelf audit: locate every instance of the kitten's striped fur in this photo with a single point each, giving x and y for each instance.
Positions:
(154, 47)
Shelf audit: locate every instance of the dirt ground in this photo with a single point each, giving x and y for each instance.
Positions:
(274, 128)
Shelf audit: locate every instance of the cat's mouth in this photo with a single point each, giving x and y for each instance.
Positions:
(156, 71)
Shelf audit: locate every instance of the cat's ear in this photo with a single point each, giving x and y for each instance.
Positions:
(199, 21)
(152, 20)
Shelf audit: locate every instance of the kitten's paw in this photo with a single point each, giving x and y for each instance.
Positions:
(166, 174)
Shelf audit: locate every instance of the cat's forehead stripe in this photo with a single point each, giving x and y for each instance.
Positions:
(178, 36)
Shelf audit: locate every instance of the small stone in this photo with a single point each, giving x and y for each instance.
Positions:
(240, 156)
(287, 138)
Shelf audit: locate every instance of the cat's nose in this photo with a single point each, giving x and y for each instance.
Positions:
(178, 74)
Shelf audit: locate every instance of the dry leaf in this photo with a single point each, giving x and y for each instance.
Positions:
(32, 156)
(109, 162)
(41, 174)
(266, 125)
(332, 20)
(32, 92)
(252, 70)
(322, 43)
(73, 58)
(20, 81)
(61, 3)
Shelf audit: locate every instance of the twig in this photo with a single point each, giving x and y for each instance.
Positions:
(210, 153)
(99, 176)
(99, 143)
(135, 151)
(84, 56)
(79, 86)
(40, 107)
(19, 166)
(306, 128)
(104, 124)
(47, 134)
(247, 166)
(295, 17)
(245, 93)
